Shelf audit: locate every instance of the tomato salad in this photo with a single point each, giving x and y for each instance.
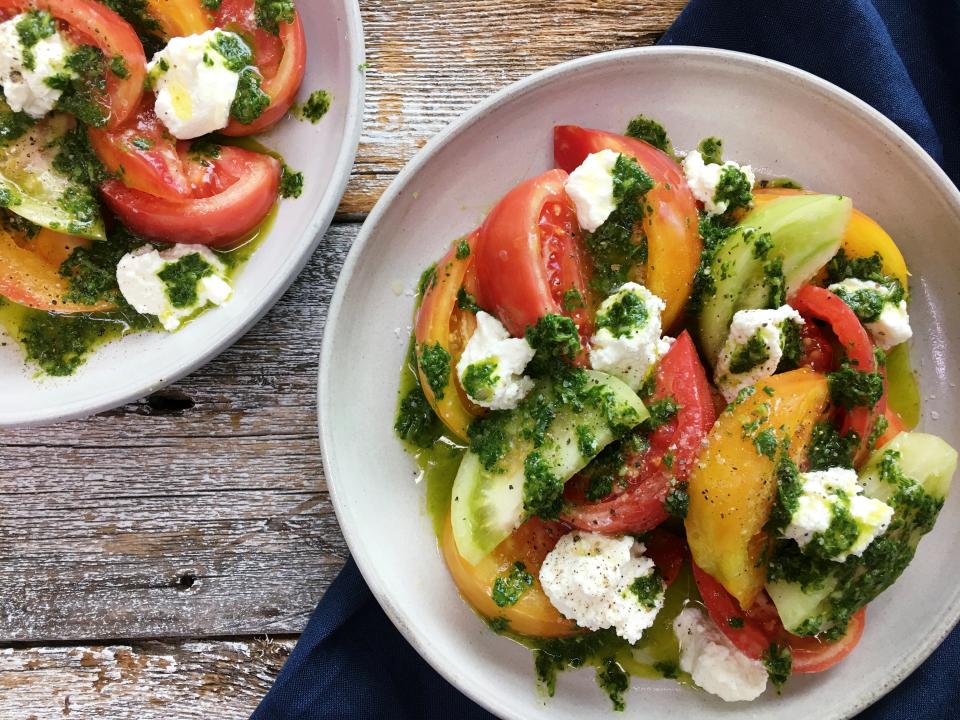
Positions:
(131, 186)
(665, 413)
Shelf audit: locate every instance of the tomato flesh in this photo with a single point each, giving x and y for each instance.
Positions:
(528, 255)
(853, 338)
(281, 59)
(640, 507)
(249, 184)
(673, 237)
(101, 26)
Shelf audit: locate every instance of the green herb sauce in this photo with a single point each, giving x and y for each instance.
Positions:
(316, 106)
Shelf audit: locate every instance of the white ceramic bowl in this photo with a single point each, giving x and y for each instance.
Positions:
(785, 122)
(138, 365)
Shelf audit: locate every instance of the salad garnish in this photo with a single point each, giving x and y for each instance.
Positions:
(665, 413)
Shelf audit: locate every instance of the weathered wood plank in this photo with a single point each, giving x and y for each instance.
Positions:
(140, 681)
(430, 61)
(199, 511)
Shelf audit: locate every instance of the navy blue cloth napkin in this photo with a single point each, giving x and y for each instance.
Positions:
(899, 56)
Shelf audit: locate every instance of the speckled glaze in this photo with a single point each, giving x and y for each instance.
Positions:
(138, 365)
(784, 122)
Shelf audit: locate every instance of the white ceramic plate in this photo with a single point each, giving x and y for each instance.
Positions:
(785, 122)
(138, 365)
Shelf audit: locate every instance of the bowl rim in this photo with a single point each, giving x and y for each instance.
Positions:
(287, 273)
(364, 559)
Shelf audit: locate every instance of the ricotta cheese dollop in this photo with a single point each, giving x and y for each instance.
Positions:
(26, 68)
(627, 340)
(492, 364)
(705, 179)
(715, 663)
(196, 83)
(832, 516)
(173, 284)
(603, 582)
(889, 327)
(754, 347)
(590, 186)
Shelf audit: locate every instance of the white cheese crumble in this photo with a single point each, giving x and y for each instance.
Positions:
(715, 663)
(195, 88)
(893, 325)
(492, 364)
(26, 90)
(768, 324)
(825, 492)
(704, 178)
(138, 275)
(627, 342)
(588, 578)
(590, 187)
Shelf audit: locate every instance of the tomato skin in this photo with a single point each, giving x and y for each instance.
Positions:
(101, 26)
(533, 614)
(761, 627)
(440, 320)
(282, 62)
(639, 508)
(673, 238)
(747, 634)
(218, 220)
(525, 262)
(812, 656)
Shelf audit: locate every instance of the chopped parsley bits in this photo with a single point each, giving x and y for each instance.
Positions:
(291, 183)
(271, 13)
(181, 278)
(851, 388)
(316, 106)
(508, 588)
(435, 364)
(651, 132)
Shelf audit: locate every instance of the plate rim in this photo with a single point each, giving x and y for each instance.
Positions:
(951, 614)
(316, 229)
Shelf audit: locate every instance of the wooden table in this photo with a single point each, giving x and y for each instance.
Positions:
(158, 560)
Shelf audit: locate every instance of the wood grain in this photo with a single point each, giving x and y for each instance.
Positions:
(222, 679)
(428, 62)
(201, 511)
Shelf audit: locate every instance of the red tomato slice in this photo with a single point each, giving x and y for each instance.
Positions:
(668, 552)
(817, 352)
(217, 220)
(673, 238)
(143, 154)
(811, 655)
(528, 255)
(97, 24)
(753, 631)
(639, 508)
(281, 59)
(750, 635)
(853, 338)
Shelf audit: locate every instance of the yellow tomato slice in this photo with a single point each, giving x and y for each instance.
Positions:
(863, 237)
(179, 18)
(441, 321)
(30, 278)
(733, 485)
(533, 614)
